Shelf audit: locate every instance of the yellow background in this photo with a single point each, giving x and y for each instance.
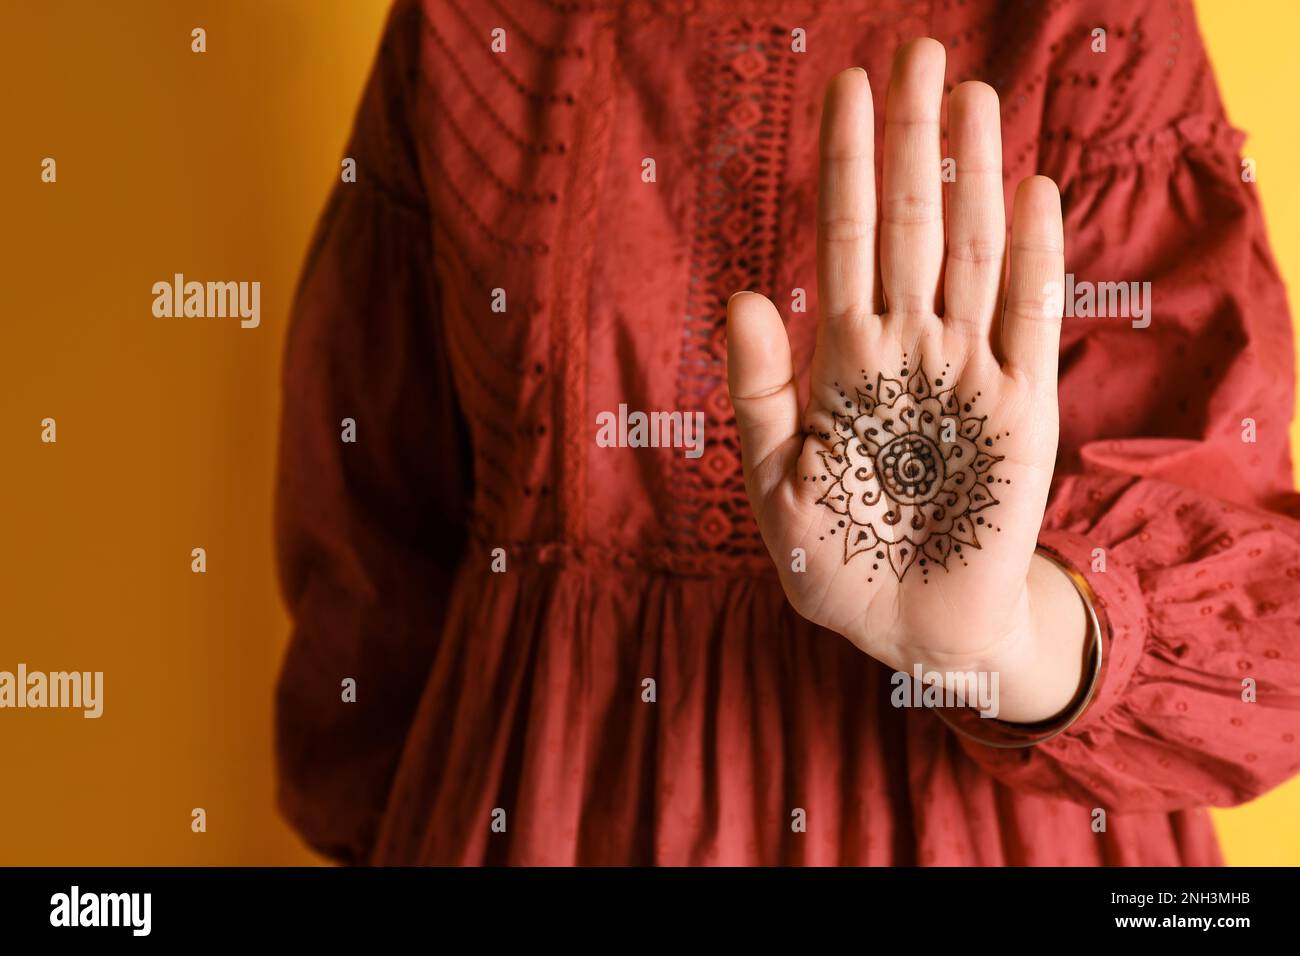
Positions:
(217, 166)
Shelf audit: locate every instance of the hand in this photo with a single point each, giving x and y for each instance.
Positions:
(915, 479)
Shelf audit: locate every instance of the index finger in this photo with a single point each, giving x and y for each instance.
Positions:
(846, 200)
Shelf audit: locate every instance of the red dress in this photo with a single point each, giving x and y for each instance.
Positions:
(518, 697)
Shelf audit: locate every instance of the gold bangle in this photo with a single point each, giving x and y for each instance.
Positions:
(1008, 735)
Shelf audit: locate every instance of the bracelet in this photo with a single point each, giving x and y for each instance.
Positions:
(1003, 734)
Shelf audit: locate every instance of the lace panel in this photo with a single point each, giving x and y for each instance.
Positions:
(744, 84)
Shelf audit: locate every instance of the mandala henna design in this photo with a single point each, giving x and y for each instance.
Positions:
(908, 471)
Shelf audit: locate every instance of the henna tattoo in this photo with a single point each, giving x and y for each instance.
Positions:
(908, 471)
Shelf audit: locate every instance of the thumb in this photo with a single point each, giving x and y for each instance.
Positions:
(760, 376)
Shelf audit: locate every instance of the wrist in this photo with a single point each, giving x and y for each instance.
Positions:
(1041, 664)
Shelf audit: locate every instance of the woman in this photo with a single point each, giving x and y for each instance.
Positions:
(569, 653)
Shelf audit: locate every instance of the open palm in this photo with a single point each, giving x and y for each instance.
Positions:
(903, 504)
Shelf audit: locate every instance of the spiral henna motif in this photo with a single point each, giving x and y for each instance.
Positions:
(909, 472)
(911, 467)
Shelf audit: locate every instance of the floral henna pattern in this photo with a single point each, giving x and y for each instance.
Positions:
(908, 472)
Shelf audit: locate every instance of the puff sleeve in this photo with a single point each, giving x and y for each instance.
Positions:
(1173, 492)
(369, 531)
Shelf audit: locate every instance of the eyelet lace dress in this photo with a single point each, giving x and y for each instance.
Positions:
(573, 654)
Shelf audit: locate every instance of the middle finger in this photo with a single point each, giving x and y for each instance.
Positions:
(911, 208)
